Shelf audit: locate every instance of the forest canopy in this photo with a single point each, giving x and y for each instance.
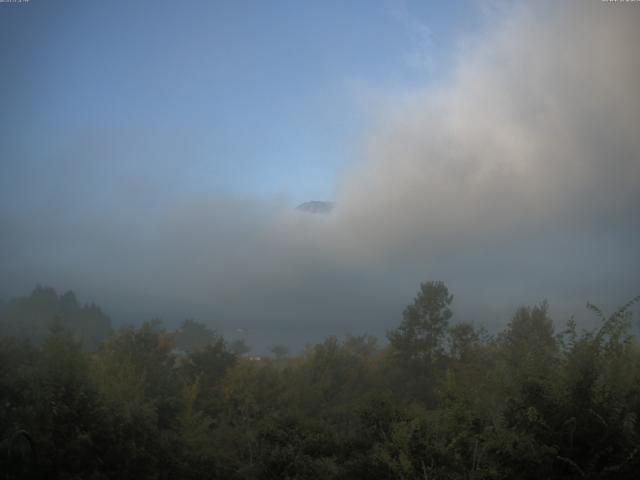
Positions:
(441, 399)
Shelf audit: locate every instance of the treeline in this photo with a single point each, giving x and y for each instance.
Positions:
(443, 400)
(34, 316)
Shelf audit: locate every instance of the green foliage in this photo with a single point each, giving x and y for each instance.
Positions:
(440, 401)
(239, 347)
(419, 340)
(193, 336)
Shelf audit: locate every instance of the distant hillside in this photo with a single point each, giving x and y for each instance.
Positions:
(316, 206)
(35, 316)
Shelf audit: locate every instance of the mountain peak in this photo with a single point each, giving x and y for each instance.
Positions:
(316, 206)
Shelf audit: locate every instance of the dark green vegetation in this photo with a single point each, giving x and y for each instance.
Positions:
(443, 400)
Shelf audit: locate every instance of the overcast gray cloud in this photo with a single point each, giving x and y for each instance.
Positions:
(515, 181)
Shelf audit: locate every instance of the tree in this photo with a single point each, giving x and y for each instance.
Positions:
(529, 340)
(464, 338)
(207, 367)
(420, 337)
(239, 347)
(193, 335)
(30, 317)
(280, 351)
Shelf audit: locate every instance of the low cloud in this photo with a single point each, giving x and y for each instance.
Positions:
(515, 181)
(538, 129)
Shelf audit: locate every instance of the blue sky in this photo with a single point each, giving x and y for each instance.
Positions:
(245, 97)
